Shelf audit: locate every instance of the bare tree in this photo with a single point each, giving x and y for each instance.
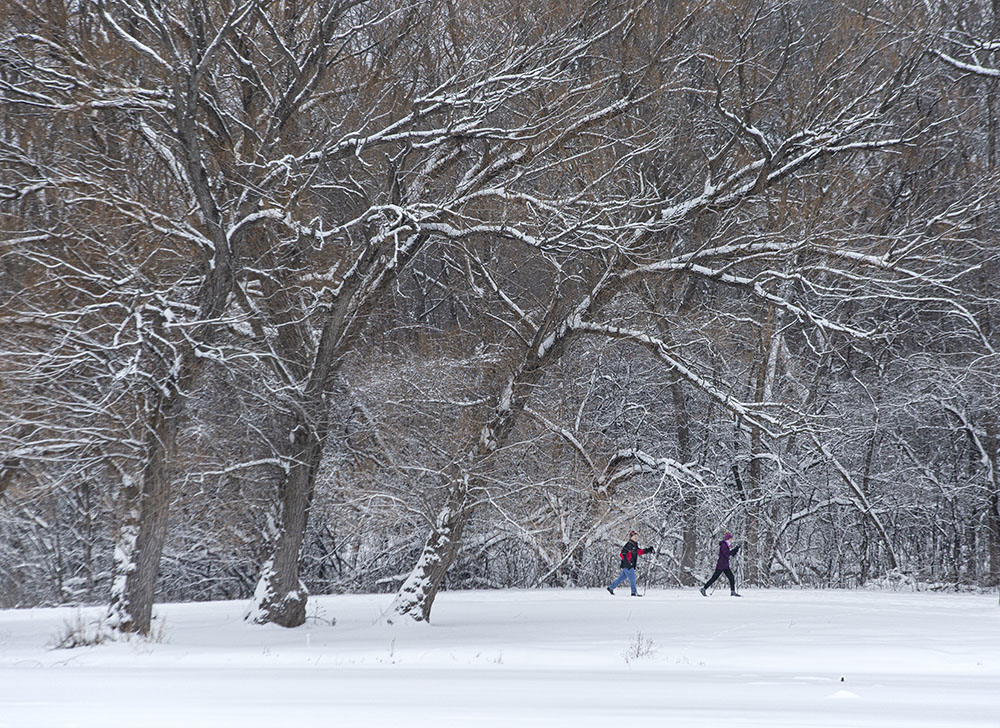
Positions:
(444, 159)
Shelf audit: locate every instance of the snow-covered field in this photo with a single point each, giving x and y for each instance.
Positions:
(527, 658)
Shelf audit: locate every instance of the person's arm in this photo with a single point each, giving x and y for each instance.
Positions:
(734, 550)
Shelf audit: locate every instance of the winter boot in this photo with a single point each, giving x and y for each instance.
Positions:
(734, 594)
(702, 590)
(637, 595)
(611, 591)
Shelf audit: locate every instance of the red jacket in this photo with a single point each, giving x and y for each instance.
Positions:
(630, 554)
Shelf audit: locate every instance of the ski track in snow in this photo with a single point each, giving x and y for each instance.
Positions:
(775, 658)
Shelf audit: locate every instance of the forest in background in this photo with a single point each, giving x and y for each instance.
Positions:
(343, 295)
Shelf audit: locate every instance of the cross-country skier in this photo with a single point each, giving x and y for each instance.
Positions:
(630, 557)
(722, 565)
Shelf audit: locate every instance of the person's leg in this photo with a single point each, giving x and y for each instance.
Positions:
(732, 583)
(631, 580)
(617, 582)
(716, 575)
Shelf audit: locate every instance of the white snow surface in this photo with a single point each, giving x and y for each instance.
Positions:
(774, 658)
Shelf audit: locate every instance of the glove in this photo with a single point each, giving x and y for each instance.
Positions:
(734, 551)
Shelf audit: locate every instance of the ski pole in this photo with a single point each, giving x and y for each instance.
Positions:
(652, 565)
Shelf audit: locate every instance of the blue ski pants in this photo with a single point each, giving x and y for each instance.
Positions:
(626, 574)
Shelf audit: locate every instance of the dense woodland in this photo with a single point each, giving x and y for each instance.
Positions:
(315, 296)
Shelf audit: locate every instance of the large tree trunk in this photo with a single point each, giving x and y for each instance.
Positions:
(280, 596)
(143, 530)
(146, 510)
(415, 598)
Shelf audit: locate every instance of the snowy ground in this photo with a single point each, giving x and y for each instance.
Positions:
(551, 657)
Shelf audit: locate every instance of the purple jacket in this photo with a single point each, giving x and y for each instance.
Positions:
(723, 562)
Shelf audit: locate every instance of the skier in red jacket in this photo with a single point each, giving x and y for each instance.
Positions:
(630, 557)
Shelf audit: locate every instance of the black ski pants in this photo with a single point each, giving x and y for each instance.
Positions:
(720, 572)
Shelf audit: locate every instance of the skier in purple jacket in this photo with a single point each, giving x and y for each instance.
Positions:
(722, 565)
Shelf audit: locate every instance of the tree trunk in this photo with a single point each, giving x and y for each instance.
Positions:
(280, 596)
(143, 530)
(760, 536)
(753, 537)
(992, 446)
(415, 598)
(689, 501)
